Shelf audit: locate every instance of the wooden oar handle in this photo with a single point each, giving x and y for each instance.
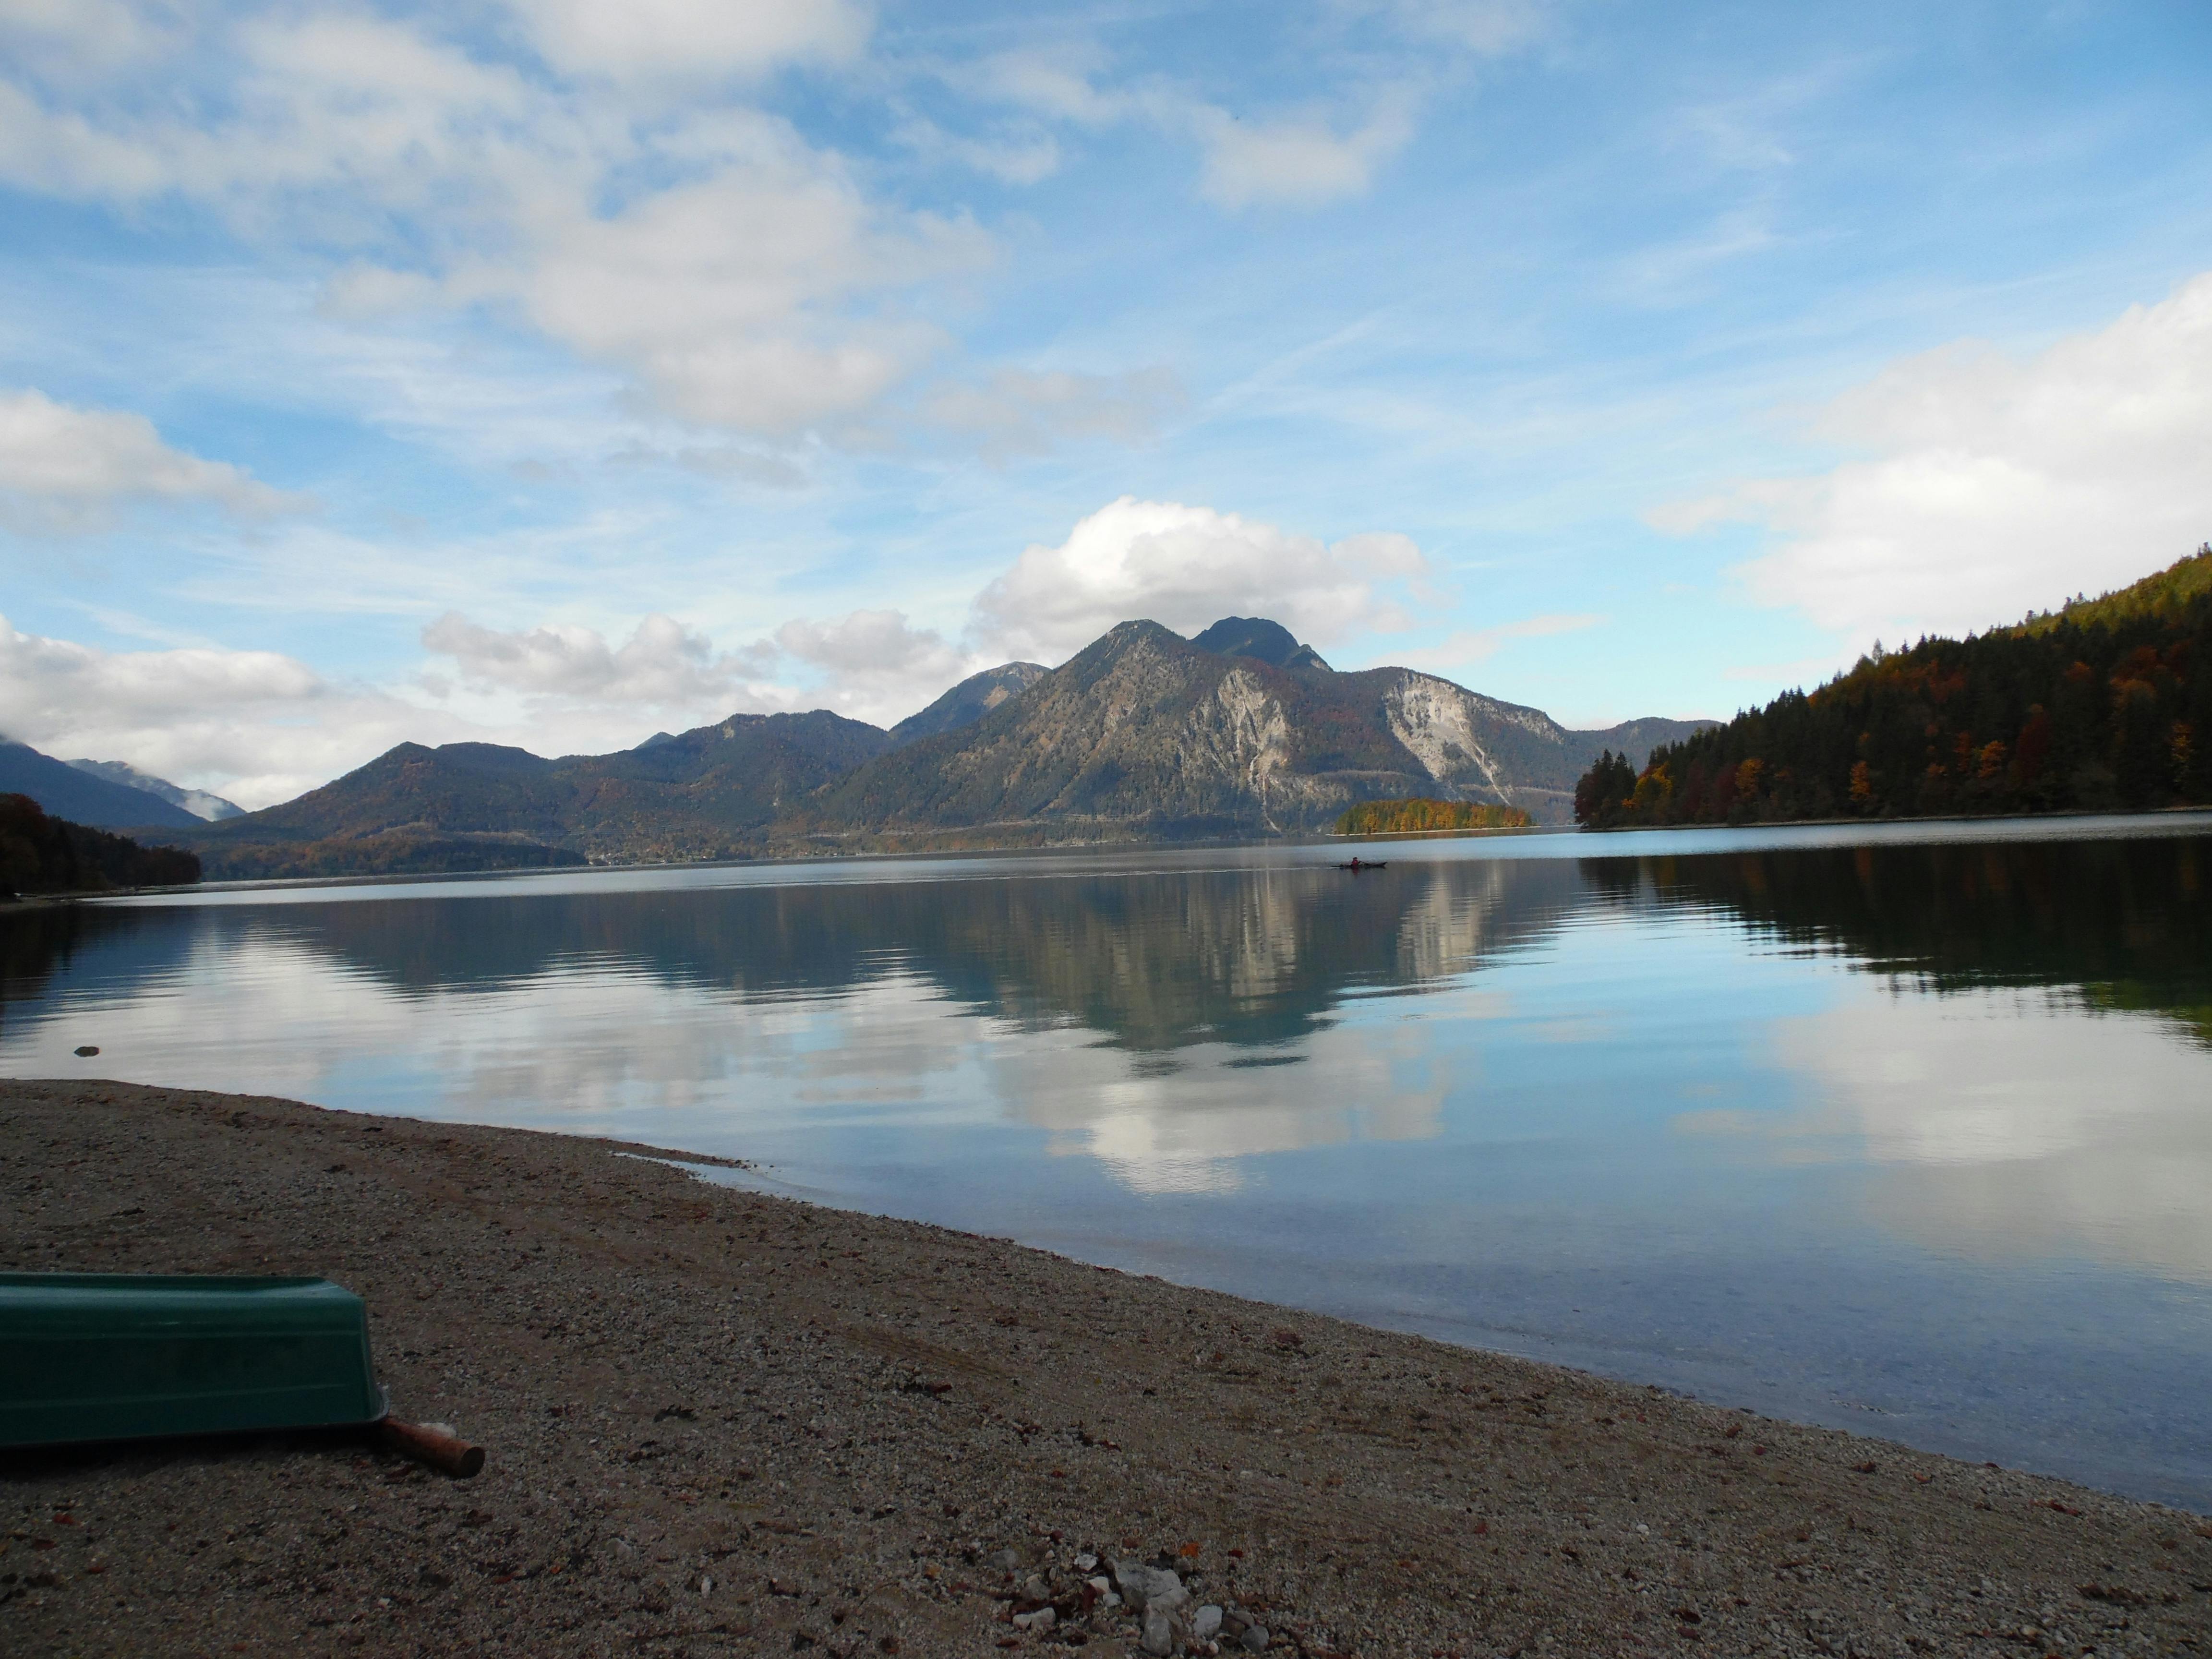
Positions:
(455, 1456)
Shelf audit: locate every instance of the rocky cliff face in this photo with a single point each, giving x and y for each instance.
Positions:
(1146, 732)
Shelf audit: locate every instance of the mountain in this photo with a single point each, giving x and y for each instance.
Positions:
(710, 793)
(1146, 733)
(1256, 637)
(2106, 705)
(212, 809)
(970, 700)
(1243, 732)
(85, 798)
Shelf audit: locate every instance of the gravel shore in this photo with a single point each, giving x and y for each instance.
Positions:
(719, 1422)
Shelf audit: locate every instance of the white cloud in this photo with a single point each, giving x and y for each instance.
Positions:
(879, 667)
(692, 39)
(74, 40)
(1985, 484)
(255, 725)
(1187, 566)
(1998, 1122)
(62, 468)
(663, 664)
(1059, 82)
(723, 297)
(737, 275)
(868, 665)
(1018, 412)
(1306, 159)
(1303, 161)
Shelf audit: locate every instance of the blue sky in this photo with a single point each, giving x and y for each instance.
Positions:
(557, 372)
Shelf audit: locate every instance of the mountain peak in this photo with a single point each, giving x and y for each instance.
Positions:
(970, 700)
(1256, 637)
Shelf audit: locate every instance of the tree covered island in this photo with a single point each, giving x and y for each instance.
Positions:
(1414, 816)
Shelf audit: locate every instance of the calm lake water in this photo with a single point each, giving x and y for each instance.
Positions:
(1905, 1130)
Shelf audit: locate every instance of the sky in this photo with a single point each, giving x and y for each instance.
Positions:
(555, 372)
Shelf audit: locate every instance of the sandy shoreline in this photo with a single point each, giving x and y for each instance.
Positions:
(720, 1422)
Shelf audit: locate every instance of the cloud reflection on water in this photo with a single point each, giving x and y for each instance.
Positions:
(2004, 1124)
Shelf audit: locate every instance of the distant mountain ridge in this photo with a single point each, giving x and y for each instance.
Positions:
(711, 792)
(1241, 732)
(81, 796)
(211, 809)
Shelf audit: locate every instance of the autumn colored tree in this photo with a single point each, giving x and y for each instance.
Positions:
(1416, 816)
(2095, 708)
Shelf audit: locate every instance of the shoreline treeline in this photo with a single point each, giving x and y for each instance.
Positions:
(1415, 815)
(39, 853)
(2105, 705)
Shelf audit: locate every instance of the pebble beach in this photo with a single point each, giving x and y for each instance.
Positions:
(718, 1421)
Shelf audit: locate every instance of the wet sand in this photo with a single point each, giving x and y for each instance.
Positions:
(720, 1422)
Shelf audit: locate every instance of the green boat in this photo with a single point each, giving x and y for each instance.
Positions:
(95, 1357)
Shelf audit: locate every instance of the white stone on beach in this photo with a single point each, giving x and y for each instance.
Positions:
(1159, 1632)
(1145, 1587)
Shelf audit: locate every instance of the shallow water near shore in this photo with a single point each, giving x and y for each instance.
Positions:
(1904, 1129)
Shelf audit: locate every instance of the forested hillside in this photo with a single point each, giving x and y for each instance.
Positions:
(41, 853)
(2106, 704)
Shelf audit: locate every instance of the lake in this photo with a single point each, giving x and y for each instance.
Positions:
(1906, 1129)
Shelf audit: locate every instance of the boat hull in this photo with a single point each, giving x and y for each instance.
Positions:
(96, 1356)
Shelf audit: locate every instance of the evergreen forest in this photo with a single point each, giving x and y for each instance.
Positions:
(2104, 705)
(39, 853)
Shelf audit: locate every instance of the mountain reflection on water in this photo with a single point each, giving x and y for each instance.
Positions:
(1150, 962)
(1909, 1130)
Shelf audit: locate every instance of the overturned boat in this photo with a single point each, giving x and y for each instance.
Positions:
(108, 1357)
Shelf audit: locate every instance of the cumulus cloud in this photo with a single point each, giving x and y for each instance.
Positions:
(63, 468)
(877, 666)
(663, 663)
(725, 297)
(1301, 161)
(738, 276)
(1983, 484)
(1186, 566)
(1017, 412)
(256, 726)
(691, 39)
